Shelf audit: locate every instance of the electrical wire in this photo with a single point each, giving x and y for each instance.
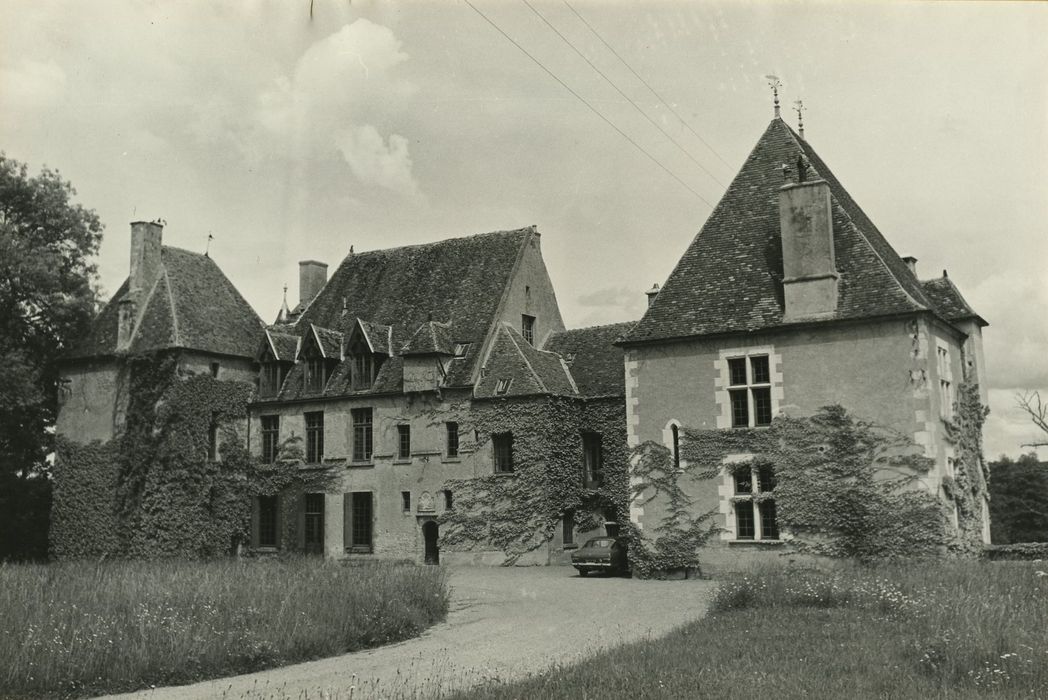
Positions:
(624, 95)
(646, 84)
(593, 109)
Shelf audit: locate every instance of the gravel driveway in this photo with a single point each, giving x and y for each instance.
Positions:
(504, 623)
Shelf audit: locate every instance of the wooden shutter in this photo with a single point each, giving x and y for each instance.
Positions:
(347, 521)
(255, 522)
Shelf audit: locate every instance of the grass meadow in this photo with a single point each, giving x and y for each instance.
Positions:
(74, 629)
(928, 629)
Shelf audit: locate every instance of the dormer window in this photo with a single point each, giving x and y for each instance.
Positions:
(461, 349)
(363, 370)
(316, 375)
(527, 328)
(271, 379)
(502, 386)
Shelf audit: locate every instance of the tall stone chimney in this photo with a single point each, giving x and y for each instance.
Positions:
(809, 267)
(652, 293)
(312, 275)
(146, 242)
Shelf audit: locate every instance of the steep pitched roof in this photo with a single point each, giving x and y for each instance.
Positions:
(730, 278)
(460, 281)
(283, 345)
(191, 305)
(527, 369)
(948, 300)
(328, 341)
(592, 357)
(431, 338)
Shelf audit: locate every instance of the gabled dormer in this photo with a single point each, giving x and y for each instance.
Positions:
(367, 347)
(276, 356)
(320, 353)
(426, 355)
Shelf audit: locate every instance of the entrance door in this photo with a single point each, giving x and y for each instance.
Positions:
(430, 533)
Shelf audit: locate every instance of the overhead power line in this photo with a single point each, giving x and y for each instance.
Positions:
(646, 84)
(583, 100)
(624, 95)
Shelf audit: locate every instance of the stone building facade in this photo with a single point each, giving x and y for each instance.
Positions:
(790, 299)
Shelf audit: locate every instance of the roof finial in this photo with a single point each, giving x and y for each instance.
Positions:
(799, 108)
(774, 83)
(207, 248)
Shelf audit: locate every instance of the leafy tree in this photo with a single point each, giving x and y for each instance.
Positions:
(1018, 500)
(48, 296)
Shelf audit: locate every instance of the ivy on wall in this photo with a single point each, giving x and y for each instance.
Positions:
(968, 488)
(153, 490)
(844, 487)
(518, 513)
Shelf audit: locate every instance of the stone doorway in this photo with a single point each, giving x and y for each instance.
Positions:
(431, 534)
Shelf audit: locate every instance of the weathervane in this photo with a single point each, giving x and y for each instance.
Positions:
(799, 108)
(207, 248)
(775, 84)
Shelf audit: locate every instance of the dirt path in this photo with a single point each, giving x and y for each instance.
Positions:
(504, 623)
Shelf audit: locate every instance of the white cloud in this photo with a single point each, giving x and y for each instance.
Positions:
(1015, 341)
(340, 87)
(31, 86)
(375, 161)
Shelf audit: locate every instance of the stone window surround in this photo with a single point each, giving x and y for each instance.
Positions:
(726, 492)
(722, 379)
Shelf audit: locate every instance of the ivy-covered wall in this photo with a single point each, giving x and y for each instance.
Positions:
(843, 488)
(153, 491)
(520, 514)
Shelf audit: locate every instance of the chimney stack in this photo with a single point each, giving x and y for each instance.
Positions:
(312, 276)
(911, 262)
(808, 262)
(146, 240)
(652, 293)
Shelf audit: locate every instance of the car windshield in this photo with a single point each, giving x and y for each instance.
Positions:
(600, 544)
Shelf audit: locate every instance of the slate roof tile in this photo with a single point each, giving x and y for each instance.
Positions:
(948, 299)
(528, 369)
(431, 338)
(592, 357)
(192, 305)
(729, 280)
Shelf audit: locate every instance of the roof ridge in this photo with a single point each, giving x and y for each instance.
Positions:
(592, 328)
(524, 356)
(409, 246)
(174, 307)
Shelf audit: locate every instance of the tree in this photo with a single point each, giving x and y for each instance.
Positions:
(1030, 402)
(1018, 500)
(48, 297)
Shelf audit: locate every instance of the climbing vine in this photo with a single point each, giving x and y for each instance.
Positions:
(519, 512)
(968, 488)
(843, 487)
(155, 490)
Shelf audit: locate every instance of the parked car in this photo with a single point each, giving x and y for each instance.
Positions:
(604, 554)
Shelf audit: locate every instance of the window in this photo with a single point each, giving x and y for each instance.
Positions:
(316, 374)
(363, 370)
(314, 523)
(403, 442)
(362, 434)
(272, 378)
(502, 447)
(750, 391)
(214, 369)
(314, 437)
(453, 439)
(448, 503)
(359, 515)
(461, 349)
(527, 328)
(755, 516)
(268, 507)
(568, 526)
(592, 460)
(945, 382)
(270, 438)
(212, 439)
(676, 446)
(405, 501)
(502, 386)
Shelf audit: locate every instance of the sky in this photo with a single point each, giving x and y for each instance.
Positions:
(288, 135)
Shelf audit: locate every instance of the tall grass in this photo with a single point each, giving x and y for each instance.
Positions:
(78, 628)
(926, 629)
